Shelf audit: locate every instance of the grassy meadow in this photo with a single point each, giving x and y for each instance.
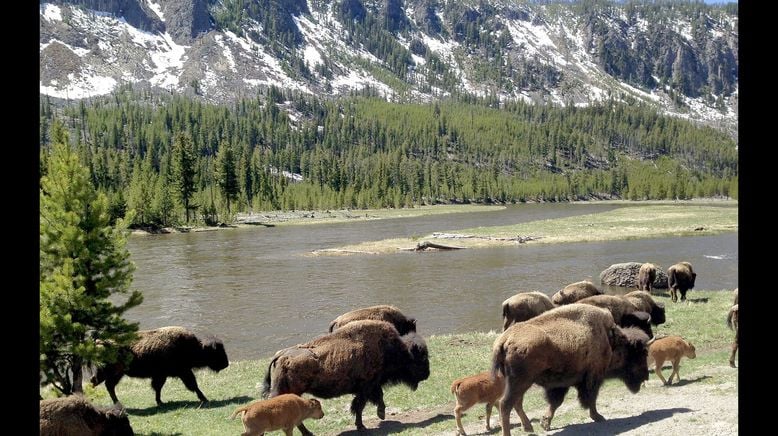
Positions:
(701, 320)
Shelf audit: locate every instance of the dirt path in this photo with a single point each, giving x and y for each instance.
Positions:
(694, 406)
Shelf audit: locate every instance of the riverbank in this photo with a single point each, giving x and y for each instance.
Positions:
(634, 221)
(704, 402)
(305, 217)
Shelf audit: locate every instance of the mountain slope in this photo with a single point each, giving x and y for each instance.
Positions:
(680, 57)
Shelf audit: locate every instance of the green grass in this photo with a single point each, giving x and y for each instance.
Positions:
(631, 222)
(701, 320)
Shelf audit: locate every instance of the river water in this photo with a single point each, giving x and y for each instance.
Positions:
(258, 291)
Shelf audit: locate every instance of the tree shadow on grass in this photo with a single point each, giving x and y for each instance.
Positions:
(392, 427)
(175, 405)
(620, 425)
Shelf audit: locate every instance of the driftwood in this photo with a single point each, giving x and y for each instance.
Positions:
(520, 239)
(426, 245)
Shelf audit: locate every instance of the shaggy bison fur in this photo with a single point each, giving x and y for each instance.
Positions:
(390, 314)
(283, 412)
(732, 322)
(644, 302)
(671, 348)
(358, 358)
(162, 353)
(474, 389)
(523, 306)
(680, 277)
(646, 276)
(75, 416)
(574, 345)
(574, 292)
(624, 313)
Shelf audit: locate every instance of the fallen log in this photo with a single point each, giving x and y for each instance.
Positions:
(426, 245)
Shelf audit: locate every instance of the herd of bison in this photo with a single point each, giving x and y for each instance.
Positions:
(577, 338)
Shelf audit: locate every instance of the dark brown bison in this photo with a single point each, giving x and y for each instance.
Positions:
(162, 353)
(75, 416)
(390, 314)
(574, 345)
(574, 292)
(358, 358)
(643, 301)
(646, 276)
(624, 313)
(732, 323)
(680, 277)
(523, 306)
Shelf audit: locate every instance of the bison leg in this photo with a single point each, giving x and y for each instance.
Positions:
(377, 397)
(683, 294)
(588, 390)
(157, 382)
(514, 398)
(676, 366)
(111, 381)
(673, 295)
(458, 412)
(304, 430)
(489, 413)
(554, 396)
(732, 356)
(658, 371)
(190, 382)
(357, 406)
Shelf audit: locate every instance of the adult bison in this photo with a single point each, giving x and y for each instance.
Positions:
(390, 314)
(643, 301)
(624, 313)
(574, 292)
(646, 276)
(523, 306)
(162, 353)
(680, 277)
(358, 358)
(75, 416)
(576, 345)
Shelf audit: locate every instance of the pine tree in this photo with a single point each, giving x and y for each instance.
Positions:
(83, 262)
(184, 169)
(227, 174)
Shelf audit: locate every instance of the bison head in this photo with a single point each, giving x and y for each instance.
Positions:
(213, 354)
(117, 422)
(658, 314)
(418, 369)
(639, 319)
(629, 361)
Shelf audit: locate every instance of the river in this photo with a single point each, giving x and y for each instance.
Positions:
(258, 291)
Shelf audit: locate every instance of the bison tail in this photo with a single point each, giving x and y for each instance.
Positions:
(238, 412)
(454, 387)
(498, 362)
(266, 382)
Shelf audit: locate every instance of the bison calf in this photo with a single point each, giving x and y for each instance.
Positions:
(646, 276)
(75, 416)
(283, 412)
(162, 353)
(474, 389)
(732, 323)
(390, 314)
(671, 348)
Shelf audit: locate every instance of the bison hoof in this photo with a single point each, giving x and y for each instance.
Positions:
(732, 364)
(545, 424)
(381, 413)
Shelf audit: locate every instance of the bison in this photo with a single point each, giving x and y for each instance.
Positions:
(474, 389)
(680, 277)
(574, 345)
(671, 348)
(162, 353)
(390, 314)
(624, 313)
(646, 276)
(283, 412)
(574, 292)
(75, 416)
(644, 302)
(523, 306)
(358, 358)
(732, 323)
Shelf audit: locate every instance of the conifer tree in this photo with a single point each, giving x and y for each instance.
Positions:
(83, 262)
(184, 169)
